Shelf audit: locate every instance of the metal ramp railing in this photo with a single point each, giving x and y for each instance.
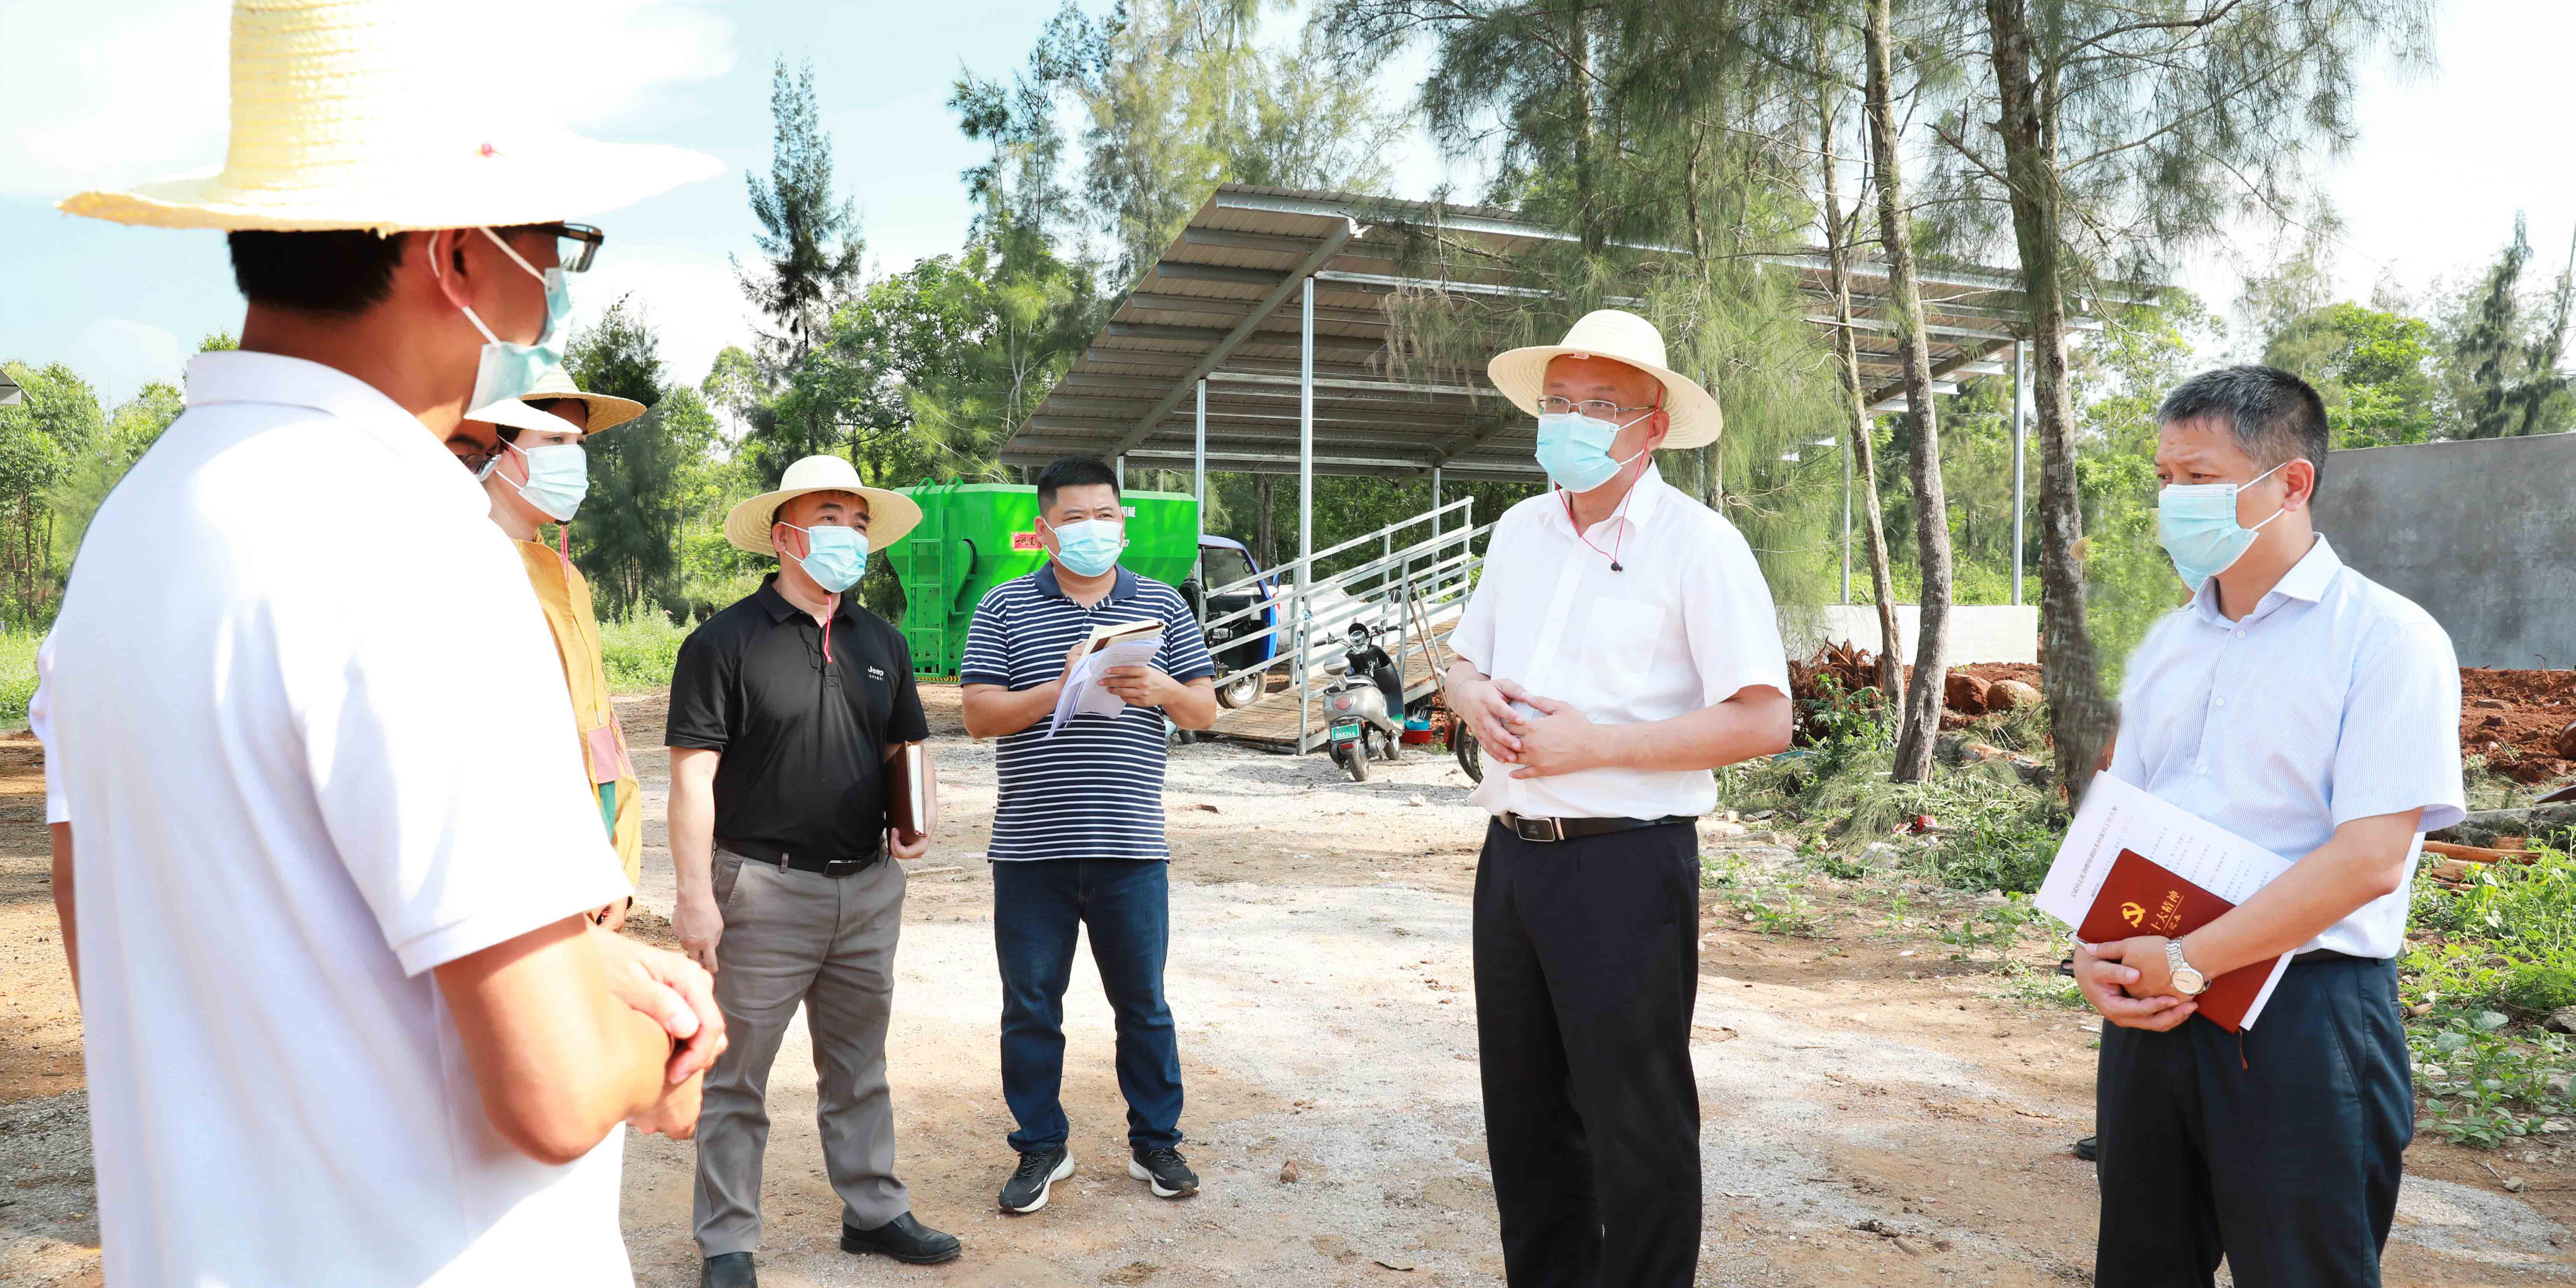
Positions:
(1415, 590)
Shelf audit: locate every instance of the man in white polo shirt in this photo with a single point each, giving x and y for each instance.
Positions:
(2314, 712)
(326, 855)
(1620, 645)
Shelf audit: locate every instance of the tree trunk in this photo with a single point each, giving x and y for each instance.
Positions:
(2080, 718)
(1922, 721)
(1578, 34)
(1882, 580)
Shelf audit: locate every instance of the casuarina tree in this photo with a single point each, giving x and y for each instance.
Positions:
(1923, 698)
(2103, 140)
(809, 239)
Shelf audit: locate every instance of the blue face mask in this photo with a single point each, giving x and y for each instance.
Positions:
(1574, 449)
(834, 557)
(558, 478)
(1091, 546)
(2197, 525)
(508, 370)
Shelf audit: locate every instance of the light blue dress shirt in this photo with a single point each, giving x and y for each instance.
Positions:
(2335, 699)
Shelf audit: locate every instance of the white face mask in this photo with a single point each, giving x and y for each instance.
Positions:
(506, 370)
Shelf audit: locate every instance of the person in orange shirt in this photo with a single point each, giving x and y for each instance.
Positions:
(529, 456)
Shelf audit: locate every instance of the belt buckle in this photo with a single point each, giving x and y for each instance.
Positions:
(840, 867)
(1538, 829)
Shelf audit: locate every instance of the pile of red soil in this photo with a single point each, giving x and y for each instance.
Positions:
(2518, 721)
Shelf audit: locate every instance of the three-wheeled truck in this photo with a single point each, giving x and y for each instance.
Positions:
(975, 536)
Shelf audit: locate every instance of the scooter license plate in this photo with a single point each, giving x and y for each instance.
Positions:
(1346, 731)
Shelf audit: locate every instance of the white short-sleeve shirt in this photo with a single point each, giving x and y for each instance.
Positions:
(1686, 622)
(307, 723)
(2335, 699)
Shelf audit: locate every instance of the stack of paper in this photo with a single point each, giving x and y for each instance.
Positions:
(1125, 644)
(2117, 817)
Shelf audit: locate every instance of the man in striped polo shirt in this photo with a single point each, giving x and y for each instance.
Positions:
(1078, 832)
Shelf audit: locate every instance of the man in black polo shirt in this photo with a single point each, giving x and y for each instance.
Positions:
(784, 710)
(1078, 831)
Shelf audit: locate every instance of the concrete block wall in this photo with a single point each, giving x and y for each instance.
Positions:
(1978, 632)
(2479, 533)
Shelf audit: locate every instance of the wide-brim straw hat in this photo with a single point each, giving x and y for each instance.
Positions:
(890, 514)
(607, 411)
(1521, 374)
(344, 118)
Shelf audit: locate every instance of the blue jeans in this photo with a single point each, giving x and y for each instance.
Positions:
(1037, 906)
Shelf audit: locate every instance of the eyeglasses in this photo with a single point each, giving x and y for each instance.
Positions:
(1597, 408)
(477, 460)
(575, 245)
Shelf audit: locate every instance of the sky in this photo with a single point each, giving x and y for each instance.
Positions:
(2444, 162)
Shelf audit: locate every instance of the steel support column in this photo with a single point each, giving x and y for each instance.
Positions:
(1199, 462)
(1305, 510)
(2018, 347)
(1306, 435)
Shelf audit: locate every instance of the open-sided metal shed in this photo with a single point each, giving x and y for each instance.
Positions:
(1267, 322)
(1260, 343)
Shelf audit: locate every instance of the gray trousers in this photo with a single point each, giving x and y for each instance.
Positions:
(827, 942)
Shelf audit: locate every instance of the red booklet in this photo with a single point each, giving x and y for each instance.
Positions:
(2141, 898)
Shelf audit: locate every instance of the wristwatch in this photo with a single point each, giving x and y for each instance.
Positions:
(2187, 981)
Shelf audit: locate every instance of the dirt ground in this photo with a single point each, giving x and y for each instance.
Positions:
(1873, 1109)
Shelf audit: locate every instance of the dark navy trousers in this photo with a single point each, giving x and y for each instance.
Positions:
(2282, 1153)
(1038, 905)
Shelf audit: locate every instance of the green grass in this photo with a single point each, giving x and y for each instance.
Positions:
(17, 674)
(640, 651)
(1995, 832)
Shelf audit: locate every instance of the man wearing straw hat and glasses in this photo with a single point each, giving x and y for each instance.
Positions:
(536, 473)
(1619, 646)
(785, 709)
(347, 1019)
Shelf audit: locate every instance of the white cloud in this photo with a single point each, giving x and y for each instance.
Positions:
(119, 355)
(146, 96)
(690, 298)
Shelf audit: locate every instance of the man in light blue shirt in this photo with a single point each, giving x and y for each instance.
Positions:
(2306, 708)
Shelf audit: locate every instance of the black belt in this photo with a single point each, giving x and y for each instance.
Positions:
(1574, 829)
(2329, 955)
(779, 858)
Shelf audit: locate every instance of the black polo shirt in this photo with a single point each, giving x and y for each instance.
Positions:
(803, 737)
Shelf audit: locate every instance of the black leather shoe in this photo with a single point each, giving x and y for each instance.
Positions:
(903, 1239)
(729, 1270)
(2089, 1149)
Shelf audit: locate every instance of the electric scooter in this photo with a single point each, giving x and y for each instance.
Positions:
(1368, 696)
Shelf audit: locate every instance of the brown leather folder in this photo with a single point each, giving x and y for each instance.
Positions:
(912, 793)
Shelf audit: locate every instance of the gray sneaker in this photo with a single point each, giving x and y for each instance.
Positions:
(1037, 1173)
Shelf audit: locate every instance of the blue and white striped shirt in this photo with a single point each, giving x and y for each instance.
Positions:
(1095, 789)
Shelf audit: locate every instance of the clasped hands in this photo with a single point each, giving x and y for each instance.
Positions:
(679, 995)
(1559, 741)
(2131, 984)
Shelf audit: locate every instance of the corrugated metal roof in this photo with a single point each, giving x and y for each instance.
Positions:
(1224, 303)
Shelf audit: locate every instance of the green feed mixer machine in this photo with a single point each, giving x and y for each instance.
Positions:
(975, 536)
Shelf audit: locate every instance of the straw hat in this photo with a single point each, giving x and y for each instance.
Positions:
(607, 411)
(890, 514)
(341, 119)
(1624, 337)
